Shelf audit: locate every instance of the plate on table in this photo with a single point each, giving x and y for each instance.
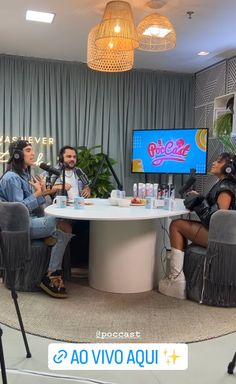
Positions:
(137, 204)
(71, 203)
(140, 203)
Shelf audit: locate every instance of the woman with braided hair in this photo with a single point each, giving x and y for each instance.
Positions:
(221, 196)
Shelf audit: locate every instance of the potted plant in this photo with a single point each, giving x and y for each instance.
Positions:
(91, 163)
(223, 126)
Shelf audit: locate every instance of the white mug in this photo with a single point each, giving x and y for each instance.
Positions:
(122, 194)
(60, 201)
(79, 202)
(115, 193)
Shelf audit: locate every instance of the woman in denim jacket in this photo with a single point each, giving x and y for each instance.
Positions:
(17, 185)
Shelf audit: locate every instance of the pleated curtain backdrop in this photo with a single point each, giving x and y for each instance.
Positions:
(79, 106)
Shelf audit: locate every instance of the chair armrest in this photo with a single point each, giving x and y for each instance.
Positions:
(223, 227)
(15, 226)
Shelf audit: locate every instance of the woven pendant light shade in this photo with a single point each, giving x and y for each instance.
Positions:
(156, 33)
(107, 60)
(117, 29)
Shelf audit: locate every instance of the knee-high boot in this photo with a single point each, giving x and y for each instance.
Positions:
(175, 284)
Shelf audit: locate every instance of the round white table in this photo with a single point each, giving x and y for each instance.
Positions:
(124, 243)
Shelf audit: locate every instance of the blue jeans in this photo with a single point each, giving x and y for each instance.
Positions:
(41, 227)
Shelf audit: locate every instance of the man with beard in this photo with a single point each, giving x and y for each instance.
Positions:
(75, 185)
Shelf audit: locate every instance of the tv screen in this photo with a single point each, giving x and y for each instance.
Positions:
(169, 150)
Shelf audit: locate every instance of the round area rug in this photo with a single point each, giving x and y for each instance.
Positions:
(88, 315)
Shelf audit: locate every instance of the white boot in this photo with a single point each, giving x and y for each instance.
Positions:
(175, 284)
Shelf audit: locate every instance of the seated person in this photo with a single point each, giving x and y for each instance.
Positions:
(76, 184)
(17, 185)
(221, 196)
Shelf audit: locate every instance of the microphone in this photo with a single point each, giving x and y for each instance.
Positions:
(50, 169)
(191, 180)
(81, 175)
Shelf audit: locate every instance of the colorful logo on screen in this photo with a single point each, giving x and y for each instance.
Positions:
(201, 139)
(172, 150)
(137, 165)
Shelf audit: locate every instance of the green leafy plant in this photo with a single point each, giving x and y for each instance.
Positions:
(228, 143)
(223, 127)
(223, 124)
(90, 162)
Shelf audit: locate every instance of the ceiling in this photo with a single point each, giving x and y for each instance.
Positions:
(212, 28)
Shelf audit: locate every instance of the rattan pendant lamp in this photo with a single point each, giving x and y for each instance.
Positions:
(117, 29)
(156, 33)
(107, 60)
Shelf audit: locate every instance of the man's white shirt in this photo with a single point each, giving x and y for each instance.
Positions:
(71, 179)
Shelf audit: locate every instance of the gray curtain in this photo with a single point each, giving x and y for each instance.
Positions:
(78, 106)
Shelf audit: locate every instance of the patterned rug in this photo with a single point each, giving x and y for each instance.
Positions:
(88, 315)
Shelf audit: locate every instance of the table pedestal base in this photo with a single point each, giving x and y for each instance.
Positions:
(122, 255)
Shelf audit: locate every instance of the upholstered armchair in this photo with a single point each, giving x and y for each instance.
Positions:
(211, 272)
(28, 258)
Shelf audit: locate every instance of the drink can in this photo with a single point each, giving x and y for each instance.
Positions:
(149, 189)
(155, 191)
(141, 190)
(135, 190)
(149, 202)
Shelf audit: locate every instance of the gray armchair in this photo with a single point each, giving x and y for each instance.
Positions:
(28, 258)
(211, 272)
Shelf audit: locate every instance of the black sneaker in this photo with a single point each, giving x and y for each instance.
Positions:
(53, 285)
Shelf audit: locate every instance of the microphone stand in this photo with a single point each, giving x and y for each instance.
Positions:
(2, 361)
(48, 181)
(63, 191)
(192, 174)
(106, 159)
(14, 297)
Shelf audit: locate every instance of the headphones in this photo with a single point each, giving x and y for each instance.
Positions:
(62, 151)
(17, 155)
(16, 151)
(229, 168)
(60, 156)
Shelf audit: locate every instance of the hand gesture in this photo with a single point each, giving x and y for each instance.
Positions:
(67, 186)
(58, 187)
(192, 193)
(192, 199)
(36, 184)
(86, 192)
(42, 182)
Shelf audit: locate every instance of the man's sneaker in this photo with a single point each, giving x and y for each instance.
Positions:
(50, 241)
(53, 285)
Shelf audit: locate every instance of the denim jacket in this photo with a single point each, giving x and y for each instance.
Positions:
(16, 188)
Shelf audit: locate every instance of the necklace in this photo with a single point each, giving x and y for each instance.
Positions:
(69, 174)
